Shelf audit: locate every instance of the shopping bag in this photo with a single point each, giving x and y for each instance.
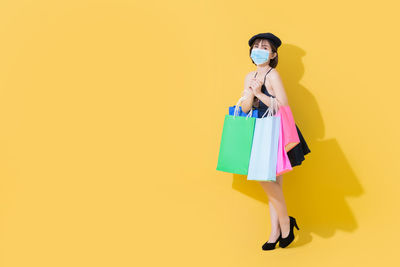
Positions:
(236, 142)
(264, 151)
(283, 162)
(290, 135)
(241, 113)
(238, 109)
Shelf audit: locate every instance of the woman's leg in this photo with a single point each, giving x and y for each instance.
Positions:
(275, 228)
(277, 205)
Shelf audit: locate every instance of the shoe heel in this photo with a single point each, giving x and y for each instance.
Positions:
(295, 224)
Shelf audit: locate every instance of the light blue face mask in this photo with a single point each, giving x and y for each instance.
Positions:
(259, 56)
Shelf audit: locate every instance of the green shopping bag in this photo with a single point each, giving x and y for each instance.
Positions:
(236, 141)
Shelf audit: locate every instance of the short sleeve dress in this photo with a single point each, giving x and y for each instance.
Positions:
(297, 153)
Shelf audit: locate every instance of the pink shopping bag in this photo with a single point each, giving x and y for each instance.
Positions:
(283, 163)
(289, 131)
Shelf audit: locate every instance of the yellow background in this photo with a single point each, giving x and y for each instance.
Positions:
(111, 115)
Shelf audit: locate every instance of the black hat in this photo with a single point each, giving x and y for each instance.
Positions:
(275, 40)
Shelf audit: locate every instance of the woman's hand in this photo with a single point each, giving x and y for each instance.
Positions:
(248, 93)
(255, 86)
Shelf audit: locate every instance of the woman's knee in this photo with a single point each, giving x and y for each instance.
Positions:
(268, 184)
(279, 179)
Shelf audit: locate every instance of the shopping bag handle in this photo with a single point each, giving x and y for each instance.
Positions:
(236, 111)
(272, 109)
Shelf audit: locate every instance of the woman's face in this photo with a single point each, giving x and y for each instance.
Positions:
(264, 44)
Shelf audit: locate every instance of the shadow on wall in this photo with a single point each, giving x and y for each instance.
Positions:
(315, 191)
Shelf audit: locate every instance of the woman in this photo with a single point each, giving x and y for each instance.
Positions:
(260, 86)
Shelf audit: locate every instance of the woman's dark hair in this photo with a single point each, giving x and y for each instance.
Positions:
(272, 62)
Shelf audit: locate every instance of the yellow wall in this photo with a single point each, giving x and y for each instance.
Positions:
(111, 115)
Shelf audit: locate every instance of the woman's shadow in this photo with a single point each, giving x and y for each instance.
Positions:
(315, 191)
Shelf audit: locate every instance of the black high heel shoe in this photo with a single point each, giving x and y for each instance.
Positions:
(270, 246)
(284, 242)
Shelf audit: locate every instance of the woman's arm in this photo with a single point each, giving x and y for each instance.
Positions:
(280, 94)
(247, 103)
